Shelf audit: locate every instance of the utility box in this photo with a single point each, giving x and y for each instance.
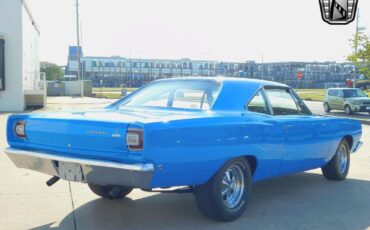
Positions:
(55, 88)
(87, 87)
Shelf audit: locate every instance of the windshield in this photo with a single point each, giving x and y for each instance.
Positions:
(175, 94)
(353, 93)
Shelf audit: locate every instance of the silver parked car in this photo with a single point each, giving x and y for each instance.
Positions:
(347, 99)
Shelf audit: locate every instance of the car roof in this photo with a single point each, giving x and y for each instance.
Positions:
(233, 80)
(235, 92)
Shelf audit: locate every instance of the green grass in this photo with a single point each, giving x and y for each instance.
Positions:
(110, 93)
(311, 94)
(305, 94)
(316, 94)
(107, 95)
(106, 89)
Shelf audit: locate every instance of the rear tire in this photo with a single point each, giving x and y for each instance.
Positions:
(337, 168)
(347, 110)
(224, 197)
(111, 191)
(326, 108)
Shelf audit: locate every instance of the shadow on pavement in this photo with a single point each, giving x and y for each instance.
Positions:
(301, 201)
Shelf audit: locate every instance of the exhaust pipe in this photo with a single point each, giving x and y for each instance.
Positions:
(52, 181)
(114, 193)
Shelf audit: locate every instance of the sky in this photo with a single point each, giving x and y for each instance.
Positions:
(227, 30)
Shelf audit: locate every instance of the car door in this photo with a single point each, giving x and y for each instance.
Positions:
(338, 99)
(268, 133)
(304, 145)
(331, 97)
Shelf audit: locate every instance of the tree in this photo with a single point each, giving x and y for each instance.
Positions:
(52, 71)
(361, 53)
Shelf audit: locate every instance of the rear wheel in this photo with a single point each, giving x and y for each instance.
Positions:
(326, 108)
(337, 168)
(110, 191)
(347, 110)
(225, 196)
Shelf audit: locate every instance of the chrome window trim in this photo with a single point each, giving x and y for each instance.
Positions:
(294, 95)
(262, 90)
(284, 88)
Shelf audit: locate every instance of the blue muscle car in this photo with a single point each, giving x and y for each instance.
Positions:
(210, 136)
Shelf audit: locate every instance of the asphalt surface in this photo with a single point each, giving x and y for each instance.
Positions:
(301, 201)
(317, 108)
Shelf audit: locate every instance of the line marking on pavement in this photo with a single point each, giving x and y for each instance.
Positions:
(73, 206)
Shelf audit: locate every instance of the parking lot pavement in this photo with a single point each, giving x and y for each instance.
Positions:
(317, 108)
(302, 201)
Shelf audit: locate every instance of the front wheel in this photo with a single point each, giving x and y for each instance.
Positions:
(348, 110)
(337, 168)
(110, 191)
(224, 197)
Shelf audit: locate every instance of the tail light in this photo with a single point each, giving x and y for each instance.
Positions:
(134, 139)
(20, 129)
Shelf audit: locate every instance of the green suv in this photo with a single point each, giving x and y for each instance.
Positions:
(347, 99)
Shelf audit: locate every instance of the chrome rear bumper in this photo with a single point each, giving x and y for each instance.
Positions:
(93, 171)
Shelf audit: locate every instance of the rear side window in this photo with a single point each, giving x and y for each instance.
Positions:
(333, 93)
(193, 99)
(258, 104)
(183, 94)
(282, 102)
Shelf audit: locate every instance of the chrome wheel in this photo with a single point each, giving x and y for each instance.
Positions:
(342, 158)
(233, 185)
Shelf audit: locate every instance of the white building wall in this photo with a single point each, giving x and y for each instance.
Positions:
(31, 61)
(12, 98)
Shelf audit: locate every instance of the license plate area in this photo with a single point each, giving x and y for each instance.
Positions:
(70, 171)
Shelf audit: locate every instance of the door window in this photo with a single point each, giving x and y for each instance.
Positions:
(258, 104)
(282, 102)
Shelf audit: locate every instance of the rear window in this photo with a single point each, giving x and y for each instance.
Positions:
(184, 94)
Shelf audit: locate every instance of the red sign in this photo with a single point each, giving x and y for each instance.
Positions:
(299, 75)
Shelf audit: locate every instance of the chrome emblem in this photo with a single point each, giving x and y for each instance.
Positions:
(338, 12)
(94, 132)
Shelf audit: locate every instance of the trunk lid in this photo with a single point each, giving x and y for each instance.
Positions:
(97, 134)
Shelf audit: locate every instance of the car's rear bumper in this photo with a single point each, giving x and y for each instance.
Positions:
(92, 171)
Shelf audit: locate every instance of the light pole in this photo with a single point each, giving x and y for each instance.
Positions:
(78, 49)
(358, 30)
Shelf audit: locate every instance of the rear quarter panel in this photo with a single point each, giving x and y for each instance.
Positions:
(189, 152)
